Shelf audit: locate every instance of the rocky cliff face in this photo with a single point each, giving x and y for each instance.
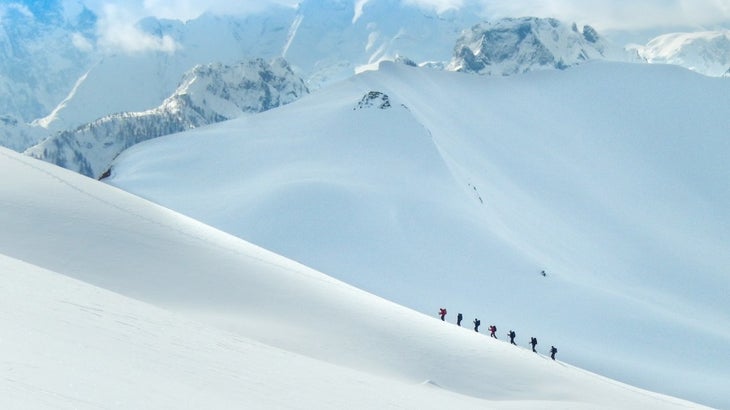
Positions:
(207, 94)
(516, 45)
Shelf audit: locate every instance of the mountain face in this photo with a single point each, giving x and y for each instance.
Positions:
(207, 94)
(42, 52)
(517, 45)
(706, 52)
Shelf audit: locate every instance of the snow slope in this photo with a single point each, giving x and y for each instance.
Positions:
(296, 338)
(467, 187)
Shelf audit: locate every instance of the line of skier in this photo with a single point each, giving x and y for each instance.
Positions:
(493, 332)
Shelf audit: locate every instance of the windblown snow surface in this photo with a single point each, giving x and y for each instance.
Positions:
(611, 177)
(109, 301)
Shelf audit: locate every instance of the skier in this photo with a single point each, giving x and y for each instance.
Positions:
(458, 319)
(493, 330)
(512, 335)
(477, 322)
(442, 313)
(533, 342)
(553, 350)
(543, 273)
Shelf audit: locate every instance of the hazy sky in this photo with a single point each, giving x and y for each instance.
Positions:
(623, 21)
(604, 14)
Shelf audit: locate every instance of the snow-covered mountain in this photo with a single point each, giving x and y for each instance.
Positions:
(324, 41)
(517, 45)
(463, 188)
(110, 301)
(706, 52)
(207, 94)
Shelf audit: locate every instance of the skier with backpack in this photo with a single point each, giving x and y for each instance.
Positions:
(477, 322)
(512, 335)
(458, 319)
(442, 313)
(533, 342)
(493, 330)
(553, 350)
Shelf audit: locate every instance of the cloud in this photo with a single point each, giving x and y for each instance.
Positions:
(17, 7)
(118, 32)
(81, 43)
(117, 28)
(190, 9)
(439, 6)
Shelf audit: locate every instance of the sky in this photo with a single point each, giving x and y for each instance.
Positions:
(623, 21)
(606, 14)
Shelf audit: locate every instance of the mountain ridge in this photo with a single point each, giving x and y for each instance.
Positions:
(207, 94)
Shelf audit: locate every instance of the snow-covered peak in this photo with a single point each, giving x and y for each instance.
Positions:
(227, 91)
(705, 52)
(516, 45)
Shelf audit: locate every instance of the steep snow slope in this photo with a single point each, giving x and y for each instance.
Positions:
(207, 94)
(467, 187)
(76, 346)
(705, 52)
(79, 346)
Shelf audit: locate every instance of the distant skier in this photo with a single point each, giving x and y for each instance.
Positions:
(493, 331)
(533, 342)
(553, 350)
(477, 322)
(512, 335)
(442, 313)
(458, 319)
(543, 273)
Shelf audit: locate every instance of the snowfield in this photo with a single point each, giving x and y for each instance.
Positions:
(110, 301)
(612, 177)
